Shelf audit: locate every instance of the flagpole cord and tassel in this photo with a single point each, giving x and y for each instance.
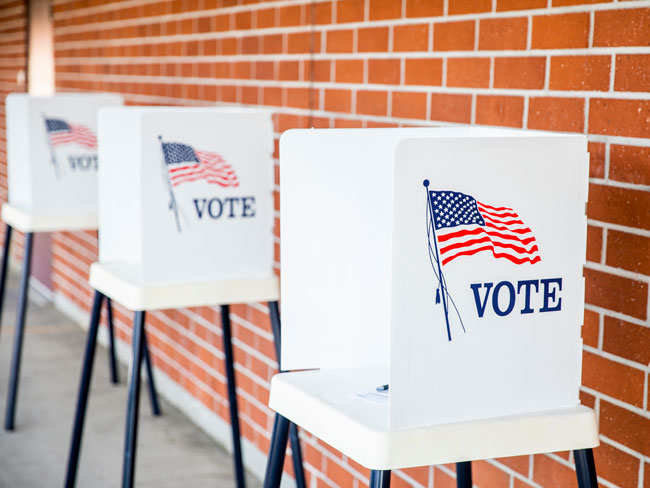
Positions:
(172, 199)
(441, 281)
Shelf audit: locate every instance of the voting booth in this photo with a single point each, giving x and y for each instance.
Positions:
(52, 152)
(433, 277)
(52, 179)
(186, 219)
(186, 193)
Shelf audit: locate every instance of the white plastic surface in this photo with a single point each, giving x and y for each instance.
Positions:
(54, 171)
(209, 233)
(26, 220)
(121, 282)
(324, 404)
(359, 284)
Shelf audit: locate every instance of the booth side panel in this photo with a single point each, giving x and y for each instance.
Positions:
(18, 149)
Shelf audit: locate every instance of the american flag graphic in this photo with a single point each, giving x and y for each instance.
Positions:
(61, 132)
(464, 226)
(187, 164)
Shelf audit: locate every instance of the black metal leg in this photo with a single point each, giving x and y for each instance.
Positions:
(379, 479)
(232, 396)
(112, 361)
(296, 449)
(464, 474)
(84, 390)
(3, 271)
(585, 468)
(133, 403)
(151, 385)
(10, 414)
(275, 463)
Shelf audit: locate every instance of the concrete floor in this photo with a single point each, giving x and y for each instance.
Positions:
(172, 452)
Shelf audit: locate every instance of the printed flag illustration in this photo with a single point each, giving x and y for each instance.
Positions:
(459, 225)
(183, 164)
(62, 132)
(188, 164)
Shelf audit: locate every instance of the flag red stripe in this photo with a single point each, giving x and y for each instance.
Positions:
(504, 245)
(509, 257)
(501, 215)
(498, 209)
(462, 233)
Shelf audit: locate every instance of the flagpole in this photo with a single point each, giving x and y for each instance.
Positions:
(170, 188)
(55, 163)
(435, 244)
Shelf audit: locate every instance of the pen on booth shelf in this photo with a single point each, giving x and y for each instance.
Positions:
(382, 388)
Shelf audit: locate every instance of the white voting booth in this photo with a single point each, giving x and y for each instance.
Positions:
(186, 219)
(447, 264)
(52, 157)
(186, 193)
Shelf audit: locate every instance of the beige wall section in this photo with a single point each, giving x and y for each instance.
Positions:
(41, 48)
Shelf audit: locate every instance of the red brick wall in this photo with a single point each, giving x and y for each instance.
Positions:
(566, 65)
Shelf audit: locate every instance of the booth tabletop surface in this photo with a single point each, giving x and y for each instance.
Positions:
(122, 282)
(325, 403)
(25, 220)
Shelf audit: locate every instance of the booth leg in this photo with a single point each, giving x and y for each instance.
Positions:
(275, 463)
(133, 403)
(112, 361)
(379, 479)
(151, 385)
(232, 396)
(84, 391)
(585, 468)
(464, 474)
(3, 270)
(10, 414)
(296, 449)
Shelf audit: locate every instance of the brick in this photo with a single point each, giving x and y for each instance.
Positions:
(454, 36)
(627, 340)
(288, 70)
(423, 72)
(626, 427)
(627, 118)
(614, 379)
(385, 9)
(630, 164)
(646, 478)
(372, 102)
(372, 39)
(616, 293)
(338, 100)
(616, 466)
(424, 8)
(468, 72)
(349, 11)
(548, 472)
(590, 328)
(457, 7)
(272, 44)
(499, 110)
(632, 72)
(320, 13)
(339, 41)
(349, 70)
(503, 5)
(561, 114)
(594, 243)
(485, 474)
(517, 463)
(622, 27)
(409, 105)
(521, 484)
(560, 31)
(519, 72)
(499, 34)
(628, 251)
(619, 205)
(384, 71)
(597, 160)
(411, 37)
(451, 107)
(580, 73)
(291, 15)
